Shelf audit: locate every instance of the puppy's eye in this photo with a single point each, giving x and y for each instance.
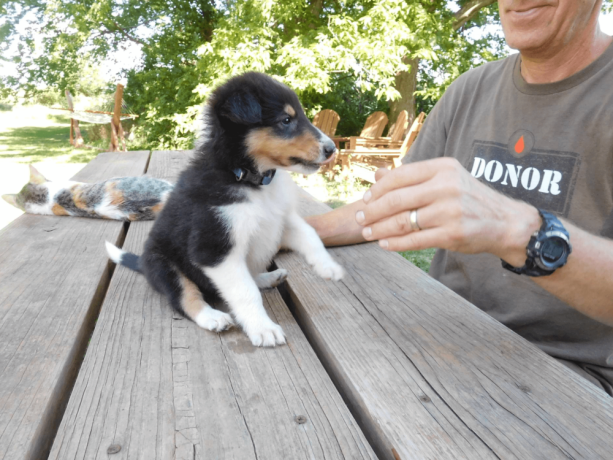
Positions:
(286, 121)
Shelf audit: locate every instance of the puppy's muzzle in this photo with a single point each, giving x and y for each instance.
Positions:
(328, 148)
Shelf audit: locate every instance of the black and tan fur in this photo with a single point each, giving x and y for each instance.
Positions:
(217, 235)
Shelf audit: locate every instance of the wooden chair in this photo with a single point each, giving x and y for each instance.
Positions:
(380, 157)
(327, 121)
(374, 126)
(393, 140)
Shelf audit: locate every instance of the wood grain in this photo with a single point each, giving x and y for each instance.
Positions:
(430, 376)
(160, 387)
(53, 276)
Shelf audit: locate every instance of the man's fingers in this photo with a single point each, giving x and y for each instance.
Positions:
(397, 201)
(414, 241)
(407, 175)
(400, 224)
(379, 173)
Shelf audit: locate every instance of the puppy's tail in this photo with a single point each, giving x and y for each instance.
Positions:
(121, 257)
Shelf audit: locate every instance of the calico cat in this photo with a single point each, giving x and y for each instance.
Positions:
(120, 198)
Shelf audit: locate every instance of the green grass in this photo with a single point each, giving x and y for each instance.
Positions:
(32, 134)
(34, 144)
(421, 259)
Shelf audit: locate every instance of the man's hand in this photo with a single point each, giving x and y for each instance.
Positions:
(454, 211)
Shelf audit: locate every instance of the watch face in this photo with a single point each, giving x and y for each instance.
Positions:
(553, 252)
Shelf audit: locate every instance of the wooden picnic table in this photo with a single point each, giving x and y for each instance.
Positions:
(385, 364)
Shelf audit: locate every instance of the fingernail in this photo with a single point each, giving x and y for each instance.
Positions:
(360, 217)
(367, 196)
(367, 232)
(383, 243)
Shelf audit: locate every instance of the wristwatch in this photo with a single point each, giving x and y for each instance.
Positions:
(547, 250)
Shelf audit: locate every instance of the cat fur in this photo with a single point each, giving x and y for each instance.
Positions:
(119, 198)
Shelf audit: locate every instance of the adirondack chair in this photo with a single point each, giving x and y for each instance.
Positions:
(394, 138)
(381, 156)
(374, 126)
(327, 121)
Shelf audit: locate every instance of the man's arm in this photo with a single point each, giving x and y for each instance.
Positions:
(585, 282)
(459, 213)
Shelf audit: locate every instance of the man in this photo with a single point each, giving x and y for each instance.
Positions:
(531, 132)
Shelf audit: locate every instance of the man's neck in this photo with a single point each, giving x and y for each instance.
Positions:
(549, 67)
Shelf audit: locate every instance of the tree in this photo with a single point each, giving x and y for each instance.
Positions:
(355, 56)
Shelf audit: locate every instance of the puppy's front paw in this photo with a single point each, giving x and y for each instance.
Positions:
(265, 334)
(214, 320)
(328, 269)
(271, 279)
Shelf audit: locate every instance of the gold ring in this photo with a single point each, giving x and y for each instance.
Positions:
(413, 218)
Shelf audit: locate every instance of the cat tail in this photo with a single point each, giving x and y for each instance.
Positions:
(121, 257)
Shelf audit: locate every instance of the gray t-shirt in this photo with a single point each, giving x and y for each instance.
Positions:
(550, 145)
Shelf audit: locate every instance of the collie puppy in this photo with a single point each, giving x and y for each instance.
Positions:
(234, 207)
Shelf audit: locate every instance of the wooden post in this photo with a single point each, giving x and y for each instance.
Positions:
(116, 130)
(77, 140)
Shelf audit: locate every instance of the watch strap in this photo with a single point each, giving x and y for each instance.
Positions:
(549, 223)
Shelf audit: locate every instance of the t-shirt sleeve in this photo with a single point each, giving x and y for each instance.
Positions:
(431, 140)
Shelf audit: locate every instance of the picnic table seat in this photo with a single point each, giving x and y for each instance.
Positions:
(386, 363)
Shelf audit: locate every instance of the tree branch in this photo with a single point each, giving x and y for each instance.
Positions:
(124, 33)
(469, 11)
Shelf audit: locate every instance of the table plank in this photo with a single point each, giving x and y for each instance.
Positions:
(160, 387)
(429, 375)
(53, 276)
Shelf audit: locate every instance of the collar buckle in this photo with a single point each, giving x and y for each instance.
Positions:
(244, 175)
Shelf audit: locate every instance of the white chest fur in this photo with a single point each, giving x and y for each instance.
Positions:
(256, 225)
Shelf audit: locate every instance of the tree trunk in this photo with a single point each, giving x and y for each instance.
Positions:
(405, 84)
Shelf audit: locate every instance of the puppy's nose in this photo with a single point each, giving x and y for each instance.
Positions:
(329, 147)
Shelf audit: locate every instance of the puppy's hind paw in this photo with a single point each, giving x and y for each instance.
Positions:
(213, 320)
(268, 334)
(330, 270)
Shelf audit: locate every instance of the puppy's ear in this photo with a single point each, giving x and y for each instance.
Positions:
(242, 108)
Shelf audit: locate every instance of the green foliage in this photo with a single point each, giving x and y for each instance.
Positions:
(343, 55)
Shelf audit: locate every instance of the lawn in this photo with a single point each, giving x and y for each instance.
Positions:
(39, 136)
(34, 135)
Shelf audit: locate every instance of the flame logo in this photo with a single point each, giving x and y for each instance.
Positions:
(520, 145)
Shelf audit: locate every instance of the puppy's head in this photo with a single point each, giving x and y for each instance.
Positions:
(267, 118)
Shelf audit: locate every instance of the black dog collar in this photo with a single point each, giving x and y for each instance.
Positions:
(244, 175)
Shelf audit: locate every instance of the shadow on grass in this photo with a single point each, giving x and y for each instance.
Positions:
(34, 144)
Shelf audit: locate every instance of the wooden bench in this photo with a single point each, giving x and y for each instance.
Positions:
(387, 363)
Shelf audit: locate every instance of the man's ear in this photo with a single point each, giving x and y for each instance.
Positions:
(36, 177)
(10, 199)
(242, 108)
